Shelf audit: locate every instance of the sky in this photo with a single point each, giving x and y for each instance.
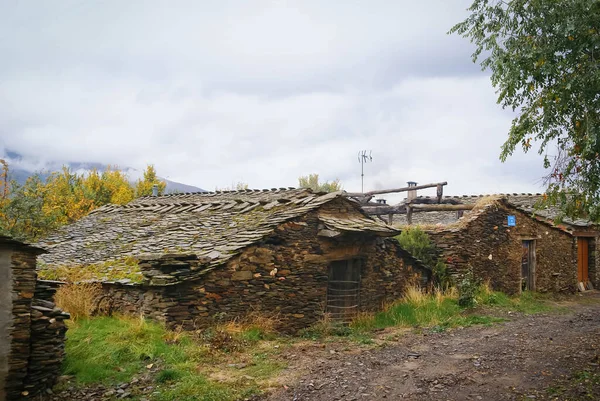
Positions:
(260, 92)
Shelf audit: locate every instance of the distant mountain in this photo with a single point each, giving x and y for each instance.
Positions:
(20, 170)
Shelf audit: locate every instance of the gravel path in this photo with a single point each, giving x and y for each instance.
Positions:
(508, 361)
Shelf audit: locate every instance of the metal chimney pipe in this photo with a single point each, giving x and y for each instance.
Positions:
(412, 194)
(155, 190)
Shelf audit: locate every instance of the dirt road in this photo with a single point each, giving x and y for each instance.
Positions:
(528, 357)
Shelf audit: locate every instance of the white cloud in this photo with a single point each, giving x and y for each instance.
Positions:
(261, 93)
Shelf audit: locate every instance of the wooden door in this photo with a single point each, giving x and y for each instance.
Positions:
(582, 260)
(343, 289)
(528, 266)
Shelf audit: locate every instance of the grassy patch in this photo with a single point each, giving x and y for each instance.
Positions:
(441, 310)
(111, 350)
(528, 302)
(123, 268)
(438, 311)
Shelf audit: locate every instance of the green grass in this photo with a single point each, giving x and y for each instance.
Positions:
(528, 302)
(427, 313)
(236, 360)
(106, 350)
(443, 311)
(111, 350)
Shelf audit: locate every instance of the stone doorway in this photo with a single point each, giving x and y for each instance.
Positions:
(343, 289)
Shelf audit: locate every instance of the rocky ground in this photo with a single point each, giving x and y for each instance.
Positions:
(552, 356)
(545, 356)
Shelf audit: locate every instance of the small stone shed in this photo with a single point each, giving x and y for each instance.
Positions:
(535, 254)
(205, 256)
(32, 329)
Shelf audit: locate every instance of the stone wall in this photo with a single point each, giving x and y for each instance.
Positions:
(594, 263)
(22, 266)
(47, 346)
(135, 299)
(494, 250)
(32, 342)
(285, 275)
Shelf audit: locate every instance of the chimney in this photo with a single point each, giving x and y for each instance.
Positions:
(381, 201)
(412, 193)
(155, 190)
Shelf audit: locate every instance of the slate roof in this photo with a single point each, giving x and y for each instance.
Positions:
(214, 226)
(524, 202)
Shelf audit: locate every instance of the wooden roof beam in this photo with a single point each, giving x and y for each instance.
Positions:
(394, 190)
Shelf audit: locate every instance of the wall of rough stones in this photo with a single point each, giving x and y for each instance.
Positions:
(47, 344)
(594, 263)
(494, 250)
(34, 333)
(285, 275)
(22, 266)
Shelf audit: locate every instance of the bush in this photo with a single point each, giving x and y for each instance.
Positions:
(78, 299)
(417, 243)
(468, 290)
(441, 275)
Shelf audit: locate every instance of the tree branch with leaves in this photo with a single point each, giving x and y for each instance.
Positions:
(544, 56)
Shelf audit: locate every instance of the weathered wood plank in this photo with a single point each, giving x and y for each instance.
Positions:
(389, 191)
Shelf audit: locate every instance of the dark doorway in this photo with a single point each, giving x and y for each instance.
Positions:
(528, 266)
(343, 289)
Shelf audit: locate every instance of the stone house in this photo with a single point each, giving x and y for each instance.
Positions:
(525, 251)
(32, 329)
(205, 256)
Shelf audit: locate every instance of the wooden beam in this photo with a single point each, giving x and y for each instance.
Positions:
(382, 210)
(440, 208)
(389, 191)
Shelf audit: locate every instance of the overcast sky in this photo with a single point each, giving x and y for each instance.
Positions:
(216, 92)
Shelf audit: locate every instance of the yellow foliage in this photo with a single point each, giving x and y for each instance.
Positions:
(32, 210)
(144, 187)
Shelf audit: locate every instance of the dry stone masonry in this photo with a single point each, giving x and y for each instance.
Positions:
(33, 329)
(483, 241)
(219, 256)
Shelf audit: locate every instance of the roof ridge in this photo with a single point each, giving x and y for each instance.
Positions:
(220, 192)
(481, 195)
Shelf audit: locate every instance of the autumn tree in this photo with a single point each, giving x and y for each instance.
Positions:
(311, 181)
(544, 59)
(32, 210)
(144, 186)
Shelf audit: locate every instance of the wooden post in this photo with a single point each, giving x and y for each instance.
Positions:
(391, 218)
(439, 192)
(409, 211)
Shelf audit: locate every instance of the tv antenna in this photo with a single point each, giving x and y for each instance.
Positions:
(364, 156)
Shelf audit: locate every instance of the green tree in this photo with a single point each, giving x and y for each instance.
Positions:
(311, 181)
(544, 60)
(417, 242)
(144, 186)
(24, 216)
